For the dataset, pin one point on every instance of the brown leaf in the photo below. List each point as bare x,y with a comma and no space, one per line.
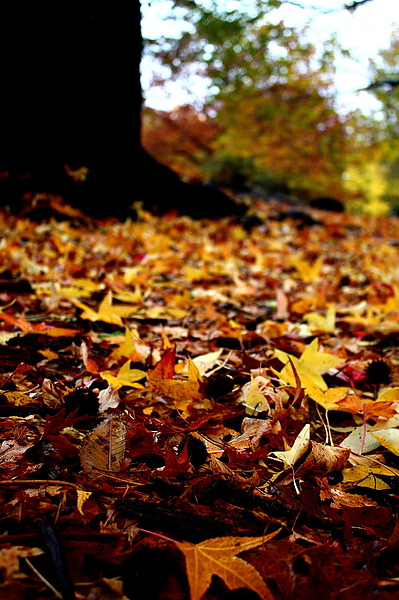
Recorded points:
104,449
218,557
332,458
341,499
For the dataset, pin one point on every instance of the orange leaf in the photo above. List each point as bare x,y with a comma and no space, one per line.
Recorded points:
165,368
218,557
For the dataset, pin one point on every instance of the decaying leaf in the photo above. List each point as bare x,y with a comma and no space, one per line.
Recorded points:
332,458
218,556
341,499
108,398
11,451
104,448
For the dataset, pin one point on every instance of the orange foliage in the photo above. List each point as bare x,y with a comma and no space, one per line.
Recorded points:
182,139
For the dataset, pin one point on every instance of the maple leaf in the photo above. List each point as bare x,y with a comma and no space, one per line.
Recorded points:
217,556
132,347
309,365
308,273
125,377
322,323
107,312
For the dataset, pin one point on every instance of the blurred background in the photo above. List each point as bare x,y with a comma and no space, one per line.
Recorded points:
299,98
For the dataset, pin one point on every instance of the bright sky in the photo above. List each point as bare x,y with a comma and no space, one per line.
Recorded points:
364,32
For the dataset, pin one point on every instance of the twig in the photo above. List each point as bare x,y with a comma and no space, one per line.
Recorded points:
43,579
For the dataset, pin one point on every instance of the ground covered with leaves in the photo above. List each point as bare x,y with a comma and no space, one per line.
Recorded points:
199,409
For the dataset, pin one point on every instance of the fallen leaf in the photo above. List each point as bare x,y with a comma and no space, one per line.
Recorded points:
125,377
107,312
332,458
300,446
175,389
341,499
310,364
218,557
108,398
9,559
104,448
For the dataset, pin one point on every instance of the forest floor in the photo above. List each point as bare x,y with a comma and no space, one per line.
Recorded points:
199,409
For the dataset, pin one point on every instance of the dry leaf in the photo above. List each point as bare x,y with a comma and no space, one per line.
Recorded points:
300,446
11,451
82,496
108,398
9,559
182,392
341,499
218,557
331,457
104,448
253,396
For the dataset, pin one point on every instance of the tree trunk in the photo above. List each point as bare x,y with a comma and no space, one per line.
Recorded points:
71,97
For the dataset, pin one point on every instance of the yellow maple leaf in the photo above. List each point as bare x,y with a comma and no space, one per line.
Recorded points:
310,364
133,297
307,272
107,312
125,377
132,347
217,556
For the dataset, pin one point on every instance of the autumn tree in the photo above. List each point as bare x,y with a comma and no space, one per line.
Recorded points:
271,94
182,138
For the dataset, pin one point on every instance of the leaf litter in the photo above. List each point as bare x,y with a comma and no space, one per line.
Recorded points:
175,393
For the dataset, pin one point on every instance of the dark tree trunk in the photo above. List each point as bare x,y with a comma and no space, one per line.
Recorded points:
71,95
